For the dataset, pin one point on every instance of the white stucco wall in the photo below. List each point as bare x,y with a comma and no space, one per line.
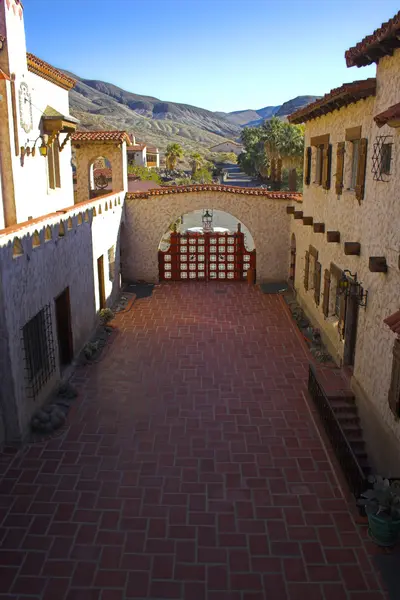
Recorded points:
25,183
227,147
147,220
375,224
35,279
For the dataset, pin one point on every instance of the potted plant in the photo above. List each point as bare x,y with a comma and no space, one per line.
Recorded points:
382,505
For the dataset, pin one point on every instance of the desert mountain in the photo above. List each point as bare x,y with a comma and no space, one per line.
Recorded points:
101,105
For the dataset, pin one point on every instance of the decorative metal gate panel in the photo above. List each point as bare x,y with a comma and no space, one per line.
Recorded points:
206,257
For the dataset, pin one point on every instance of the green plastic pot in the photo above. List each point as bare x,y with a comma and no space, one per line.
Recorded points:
383,532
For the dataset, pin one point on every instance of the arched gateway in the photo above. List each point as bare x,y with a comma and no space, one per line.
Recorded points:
148,215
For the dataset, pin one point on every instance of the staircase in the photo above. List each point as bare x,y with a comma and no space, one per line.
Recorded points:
337,409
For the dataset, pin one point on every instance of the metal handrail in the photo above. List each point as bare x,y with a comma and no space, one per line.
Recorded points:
352,470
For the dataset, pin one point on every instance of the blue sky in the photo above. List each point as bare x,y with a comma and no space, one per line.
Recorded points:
218,54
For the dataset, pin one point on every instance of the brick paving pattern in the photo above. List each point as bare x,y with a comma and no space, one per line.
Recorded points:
191,468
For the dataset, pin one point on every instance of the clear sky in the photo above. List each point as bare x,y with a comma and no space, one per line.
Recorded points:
218,54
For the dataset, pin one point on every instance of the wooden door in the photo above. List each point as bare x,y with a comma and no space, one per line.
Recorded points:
100,273
350,334
64,328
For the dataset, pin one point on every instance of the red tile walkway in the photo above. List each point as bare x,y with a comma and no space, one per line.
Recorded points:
191,468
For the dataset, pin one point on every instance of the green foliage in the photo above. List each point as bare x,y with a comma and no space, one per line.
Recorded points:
203,175
272,141
383,499
106,315
173,153
144,173
196,161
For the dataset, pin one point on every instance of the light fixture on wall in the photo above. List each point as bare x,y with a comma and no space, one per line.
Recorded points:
350,287
207,219
2,42
27,150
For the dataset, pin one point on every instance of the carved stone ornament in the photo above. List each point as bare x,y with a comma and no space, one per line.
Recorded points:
25,108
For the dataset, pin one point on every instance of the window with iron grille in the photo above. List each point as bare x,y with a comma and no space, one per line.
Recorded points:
382,158
37,338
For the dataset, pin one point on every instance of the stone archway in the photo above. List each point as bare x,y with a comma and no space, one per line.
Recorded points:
90,145
148,215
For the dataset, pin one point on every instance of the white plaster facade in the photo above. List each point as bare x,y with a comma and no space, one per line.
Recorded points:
227,146
375,224
25,183
149,216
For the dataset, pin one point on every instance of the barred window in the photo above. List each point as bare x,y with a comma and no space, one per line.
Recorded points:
37,336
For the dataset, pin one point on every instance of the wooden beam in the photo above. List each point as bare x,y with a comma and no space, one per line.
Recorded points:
352,248
298,214
333,236
378,264
319,227
290,210
308,220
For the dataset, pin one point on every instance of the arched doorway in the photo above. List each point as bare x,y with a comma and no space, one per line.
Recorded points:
100,177
192,251
292,267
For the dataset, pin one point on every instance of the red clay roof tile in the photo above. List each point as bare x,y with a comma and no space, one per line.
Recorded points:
392,113
373,47
346,94
43,69
179,189
101,136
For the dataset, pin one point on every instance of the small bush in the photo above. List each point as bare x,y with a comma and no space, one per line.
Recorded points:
106,315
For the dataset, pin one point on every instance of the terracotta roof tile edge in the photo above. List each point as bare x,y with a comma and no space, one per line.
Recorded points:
101,136
393,112
377,37
43,69
368,86
216,188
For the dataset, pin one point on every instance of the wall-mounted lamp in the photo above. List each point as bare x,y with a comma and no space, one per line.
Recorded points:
27,150
2,42
350,287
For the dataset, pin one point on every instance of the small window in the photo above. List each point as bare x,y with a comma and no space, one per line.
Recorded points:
386,159
319,164
37,337
354,163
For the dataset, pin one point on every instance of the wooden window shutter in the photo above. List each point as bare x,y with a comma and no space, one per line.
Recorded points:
327,287
307,172
339,167
326,167
306,270
361,169
394,391
317,282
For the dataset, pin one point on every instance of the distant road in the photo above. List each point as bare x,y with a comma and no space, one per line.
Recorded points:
238,178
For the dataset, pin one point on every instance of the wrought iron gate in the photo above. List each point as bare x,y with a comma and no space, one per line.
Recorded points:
205,257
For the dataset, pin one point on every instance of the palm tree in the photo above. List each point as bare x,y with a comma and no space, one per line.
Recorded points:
173,153
196,161
292,150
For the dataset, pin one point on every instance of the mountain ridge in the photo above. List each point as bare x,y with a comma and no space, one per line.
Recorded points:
101,105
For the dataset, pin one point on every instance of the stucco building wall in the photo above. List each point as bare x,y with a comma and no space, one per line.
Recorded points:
87,153
375,224
25,182
147,220
38,277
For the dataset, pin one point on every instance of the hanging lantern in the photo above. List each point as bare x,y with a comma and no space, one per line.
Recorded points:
207,219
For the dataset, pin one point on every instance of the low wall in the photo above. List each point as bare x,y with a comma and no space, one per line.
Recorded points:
39,259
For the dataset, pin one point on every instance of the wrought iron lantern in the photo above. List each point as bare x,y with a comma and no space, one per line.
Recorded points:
351,287
207,220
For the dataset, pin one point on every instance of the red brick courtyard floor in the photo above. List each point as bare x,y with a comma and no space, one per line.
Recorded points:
191,468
